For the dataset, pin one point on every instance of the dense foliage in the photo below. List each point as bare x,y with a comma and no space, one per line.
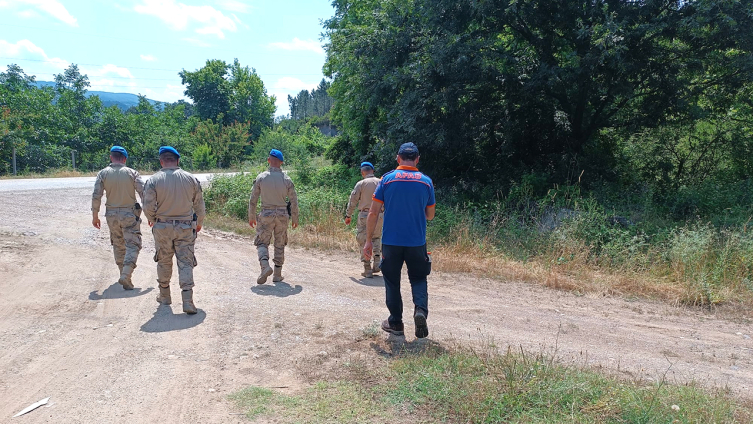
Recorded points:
571,90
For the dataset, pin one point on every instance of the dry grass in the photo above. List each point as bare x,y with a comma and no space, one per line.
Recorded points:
479,258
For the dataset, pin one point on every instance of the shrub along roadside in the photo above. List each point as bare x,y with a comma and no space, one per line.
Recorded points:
463,385
564,240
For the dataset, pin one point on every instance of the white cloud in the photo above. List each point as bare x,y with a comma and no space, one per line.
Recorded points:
293,85
25,49
179,16
148,58
98,76
288,86
28,14
300,45
234,6
51,7
106,70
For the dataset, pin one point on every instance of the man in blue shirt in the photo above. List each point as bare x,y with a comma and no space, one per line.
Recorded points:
408,199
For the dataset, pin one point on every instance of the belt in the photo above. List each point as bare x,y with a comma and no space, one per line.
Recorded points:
110,208
365,210
175,221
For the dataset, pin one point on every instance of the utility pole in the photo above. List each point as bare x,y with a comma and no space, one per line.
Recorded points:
14,160
73,159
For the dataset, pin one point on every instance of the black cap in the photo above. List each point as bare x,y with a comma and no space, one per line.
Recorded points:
408,149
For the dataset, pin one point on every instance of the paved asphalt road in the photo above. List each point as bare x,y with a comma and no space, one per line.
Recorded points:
62,183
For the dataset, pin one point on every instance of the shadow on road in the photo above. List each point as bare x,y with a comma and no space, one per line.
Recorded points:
369,282
397,346
165,320
116,291
279,289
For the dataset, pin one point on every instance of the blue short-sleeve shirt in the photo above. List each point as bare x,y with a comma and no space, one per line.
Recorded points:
405,193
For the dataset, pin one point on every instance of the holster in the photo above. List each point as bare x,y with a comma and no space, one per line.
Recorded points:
137,210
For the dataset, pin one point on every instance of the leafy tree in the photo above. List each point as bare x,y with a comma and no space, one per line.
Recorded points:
209,89
249,100
226,143
491,90
230,93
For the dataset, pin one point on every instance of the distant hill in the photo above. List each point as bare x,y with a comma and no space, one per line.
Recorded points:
122,100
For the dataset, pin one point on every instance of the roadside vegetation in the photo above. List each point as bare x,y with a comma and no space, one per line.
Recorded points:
431,384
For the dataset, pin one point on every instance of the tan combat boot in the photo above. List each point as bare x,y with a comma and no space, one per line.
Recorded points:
278,274
125,277
188,306
367,272
375,269
266,271
164,296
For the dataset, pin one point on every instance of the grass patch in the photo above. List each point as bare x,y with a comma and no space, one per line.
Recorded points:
566,241
325,402
436,385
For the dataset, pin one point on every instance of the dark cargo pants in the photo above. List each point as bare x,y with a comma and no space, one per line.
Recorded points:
417,261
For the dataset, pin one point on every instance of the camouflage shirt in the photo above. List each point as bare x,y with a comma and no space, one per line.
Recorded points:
173,193
273,186
361,195
121,184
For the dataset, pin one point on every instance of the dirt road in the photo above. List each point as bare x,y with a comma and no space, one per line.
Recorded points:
69,332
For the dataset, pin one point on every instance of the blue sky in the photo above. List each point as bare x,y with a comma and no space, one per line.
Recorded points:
139,46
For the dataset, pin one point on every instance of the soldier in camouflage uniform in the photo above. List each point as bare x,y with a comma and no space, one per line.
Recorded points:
360,198
273,186
174,206
123,214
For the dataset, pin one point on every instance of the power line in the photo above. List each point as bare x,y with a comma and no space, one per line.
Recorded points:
99,36
91,64
133,67
37,74
235,51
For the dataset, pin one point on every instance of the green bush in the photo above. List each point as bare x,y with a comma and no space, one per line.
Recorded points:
203,157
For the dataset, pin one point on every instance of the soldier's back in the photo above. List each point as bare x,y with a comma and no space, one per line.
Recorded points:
118,183
175,189
274,188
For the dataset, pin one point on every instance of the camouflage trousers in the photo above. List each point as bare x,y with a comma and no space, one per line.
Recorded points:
272,222
174,238
376,240
125,236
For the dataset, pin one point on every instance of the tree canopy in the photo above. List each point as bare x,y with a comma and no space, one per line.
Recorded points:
230,93
490,90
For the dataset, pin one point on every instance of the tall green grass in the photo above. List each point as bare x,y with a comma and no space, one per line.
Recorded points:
702,260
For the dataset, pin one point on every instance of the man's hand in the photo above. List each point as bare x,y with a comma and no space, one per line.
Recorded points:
252,223
295,225
347,220
198,228
367,249
96,222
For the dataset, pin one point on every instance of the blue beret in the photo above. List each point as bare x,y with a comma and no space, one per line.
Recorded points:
408,149
169,149
118,149
276,154
365,164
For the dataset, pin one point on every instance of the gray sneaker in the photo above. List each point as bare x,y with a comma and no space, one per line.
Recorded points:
396,329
